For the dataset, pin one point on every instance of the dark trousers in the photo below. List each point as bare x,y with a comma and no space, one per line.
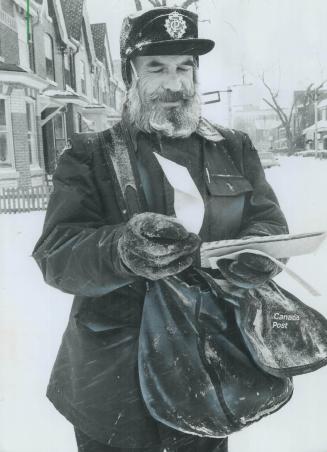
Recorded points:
86,444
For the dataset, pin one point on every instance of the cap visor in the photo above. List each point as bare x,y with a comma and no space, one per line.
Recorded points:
178,47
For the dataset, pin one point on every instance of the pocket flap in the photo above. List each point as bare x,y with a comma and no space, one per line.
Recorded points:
97,323
229,185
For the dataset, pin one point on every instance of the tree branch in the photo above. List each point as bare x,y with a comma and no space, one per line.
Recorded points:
276,110
188,3
291,114
273,96
321,85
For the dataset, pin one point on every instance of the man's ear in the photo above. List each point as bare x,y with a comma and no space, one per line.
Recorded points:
195,75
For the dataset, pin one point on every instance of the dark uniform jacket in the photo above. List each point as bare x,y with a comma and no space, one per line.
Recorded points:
94,382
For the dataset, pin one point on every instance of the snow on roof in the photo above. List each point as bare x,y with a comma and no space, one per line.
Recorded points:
10,67
321,125
57,92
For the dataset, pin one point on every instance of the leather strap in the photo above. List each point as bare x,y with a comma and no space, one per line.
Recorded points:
121,162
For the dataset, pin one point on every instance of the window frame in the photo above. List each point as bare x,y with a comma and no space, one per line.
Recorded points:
51,41
68,70
62,114
34,161
23,44
10,164
83,77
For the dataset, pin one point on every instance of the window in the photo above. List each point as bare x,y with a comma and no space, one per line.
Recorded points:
96,87
49,58
79,122
4,135
112,100
8,7
31,133
67,63
59,132
83,77
24,57
105,97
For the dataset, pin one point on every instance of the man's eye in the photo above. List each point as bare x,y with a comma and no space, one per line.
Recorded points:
184,68
156,71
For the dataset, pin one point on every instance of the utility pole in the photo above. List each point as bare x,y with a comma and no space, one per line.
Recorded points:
229,101
315,98
217,99
229,92
316,120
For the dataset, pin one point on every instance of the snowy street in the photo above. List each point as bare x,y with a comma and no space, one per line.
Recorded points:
34,315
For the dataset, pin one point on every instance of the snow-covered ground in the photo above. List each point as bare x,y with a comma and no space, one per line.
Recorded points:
33,317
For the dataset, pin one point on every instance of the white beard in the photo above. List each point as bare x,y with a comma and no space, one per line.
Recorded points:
150,116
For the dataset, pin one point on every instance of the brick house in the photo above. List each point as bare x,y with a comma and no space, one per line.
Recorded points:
88,81
109,92
56,83
21,156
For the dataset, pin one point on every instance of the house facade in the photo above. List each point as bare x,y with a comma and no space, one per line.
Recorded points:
56,78
304,126
309,132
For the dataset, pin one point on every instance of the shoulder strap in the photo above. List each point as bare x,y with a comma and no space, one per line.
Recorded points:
121,162
233,144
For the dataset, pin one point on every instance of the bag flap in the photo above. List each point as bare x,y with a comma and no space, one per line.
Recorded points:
284,336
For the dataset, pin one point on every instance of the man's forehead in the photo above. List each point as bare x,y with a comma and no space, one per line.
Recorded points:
149,60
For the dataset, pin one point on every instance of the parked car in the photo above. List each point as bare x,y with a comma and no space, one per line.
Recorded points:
268,159
321,153
306,153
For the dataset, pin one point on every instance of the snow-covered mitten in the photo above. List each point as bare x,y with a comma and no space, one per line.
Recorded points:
155,246
248,270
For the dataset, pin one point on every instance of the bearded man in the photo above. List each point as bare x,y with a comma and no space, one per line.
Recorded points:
105,252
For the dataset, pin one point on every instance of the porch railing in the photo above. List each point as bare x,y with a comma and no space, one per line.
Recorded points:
24,199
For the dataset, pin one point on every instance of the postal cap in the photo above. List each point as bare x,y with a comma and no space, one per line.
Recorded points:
160,31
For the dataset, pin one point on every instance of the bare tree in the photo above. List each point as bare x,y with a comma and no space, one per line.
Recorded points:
158,3
155,3
138,5
285,118
304,110
305,114
188,3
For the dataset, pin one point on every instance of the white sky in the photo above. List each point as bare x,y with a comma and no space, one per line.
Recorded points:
284,38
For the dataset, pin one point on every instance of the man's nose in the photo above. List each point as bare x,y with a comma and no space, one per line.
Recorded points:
172,83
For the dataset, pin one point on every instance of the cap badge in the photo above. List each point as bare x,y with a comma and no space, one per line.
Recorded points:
175,25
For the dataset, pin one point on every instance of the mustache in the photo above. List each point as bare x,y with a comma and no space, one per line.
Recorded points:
172,96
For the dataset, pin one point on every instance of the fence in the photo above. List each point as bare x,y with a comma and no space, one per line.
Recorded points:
24,199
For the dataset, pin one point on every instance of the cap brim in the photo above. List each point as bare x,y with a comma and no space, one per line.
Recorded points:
195,46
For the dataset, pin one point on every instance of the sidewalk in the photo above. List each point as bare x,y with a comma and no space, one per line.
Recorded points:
33,317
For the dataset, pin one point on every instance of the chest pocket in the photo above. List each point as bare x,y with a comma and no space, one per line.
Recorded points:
225,200
227,185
